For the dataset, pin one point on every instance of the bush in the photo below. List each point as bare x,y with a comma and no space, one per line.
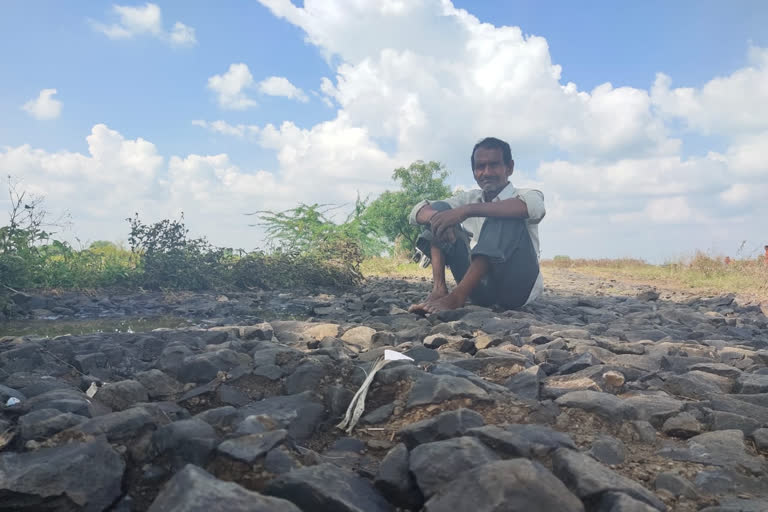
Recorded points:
168,258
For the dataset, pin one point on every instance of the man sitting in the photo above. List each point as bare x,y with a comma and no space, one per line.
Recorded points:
488,237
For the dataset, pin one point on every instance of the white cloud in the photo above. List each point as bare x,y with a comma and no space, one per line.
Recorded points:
145,20
224,128
44,106
730,105
230,87
281,86
182,35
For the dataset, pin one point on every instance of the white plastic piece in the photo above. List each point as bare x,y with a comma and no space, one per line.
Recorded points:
357,405
391,355
12,401
92,389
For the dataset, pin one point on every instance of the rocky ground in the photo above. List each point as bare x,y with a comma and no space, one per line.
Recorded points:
601,396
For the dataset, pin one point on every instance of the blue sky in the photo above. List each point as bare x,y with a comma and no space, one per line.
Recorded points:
649,166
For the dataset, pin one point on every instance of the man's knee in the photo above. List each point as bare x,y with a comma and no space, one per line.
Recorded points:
440,206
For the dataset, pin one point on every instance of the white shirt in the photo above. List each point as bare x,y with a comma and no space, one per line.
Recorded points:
534,201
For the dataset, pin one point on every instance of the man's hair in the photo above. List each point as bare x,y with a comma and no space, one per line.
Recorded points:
494,143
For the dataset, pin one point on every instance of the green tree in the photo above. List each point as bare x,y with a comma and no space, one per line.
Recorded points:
389,212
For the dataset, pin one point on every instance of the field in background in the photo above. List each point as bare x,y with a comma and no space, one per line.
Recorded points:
700,272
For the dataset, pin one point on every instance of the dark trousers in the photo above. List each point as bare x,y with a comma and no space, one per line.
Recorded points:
507,244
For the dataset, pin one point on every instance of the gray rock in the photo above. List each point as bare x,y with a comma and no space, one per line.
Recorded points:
683,425
436,464
379,415
122,394
327,488
64,400
395,481
585,360
760,437
206,366
696,384
654,407
521,440
306,377
75,476
620,502
119,426
435,389
721,369
43,423
589,479
720,420
185,441
676,485
6,393
158,384
443,426
195,490
298,414
720,448
608,450
751,383
526,383
360,337
505,485
250,448
606,405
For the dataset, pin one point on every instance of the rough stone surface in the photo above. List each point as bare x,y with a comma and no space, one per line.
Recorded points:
326,487
76,476
435,464
195,490
505,485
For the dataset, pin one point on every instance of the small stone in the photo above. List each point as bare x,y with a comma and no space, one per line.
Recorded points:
360,337
683,425
122,395
606,405
613,378
608,450
443,426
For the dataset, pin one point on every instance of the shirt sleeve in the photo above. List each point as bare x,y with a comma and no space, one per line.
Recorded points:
455,201
534,201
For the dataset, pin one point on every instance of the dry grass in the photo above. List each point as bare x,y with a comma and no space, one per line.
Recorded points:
393,267
701,271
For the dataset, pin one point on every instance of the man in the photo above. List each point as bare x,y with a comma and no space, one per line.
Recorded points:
488,237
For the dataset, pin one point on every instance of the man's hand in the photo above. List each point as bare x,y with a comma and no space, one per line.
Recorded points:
442,221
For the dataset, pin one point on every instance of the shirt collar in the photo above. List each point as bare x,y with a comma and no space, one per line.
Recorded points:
505,193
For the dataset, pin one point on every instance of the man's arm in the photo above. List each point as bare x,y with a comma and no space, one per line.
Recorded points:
508,208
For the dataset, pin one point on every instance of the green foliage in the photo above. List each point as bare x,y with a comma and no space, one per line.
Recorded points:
170,259
306,229
388,214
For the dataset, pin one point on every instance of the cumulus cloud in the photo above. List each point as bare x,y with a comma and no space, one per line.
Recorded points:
44,107
231,86
224,128
145,20
730,105
281,86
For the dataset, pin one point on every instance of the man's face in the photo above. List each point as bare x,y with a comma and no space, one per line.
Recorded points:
490,172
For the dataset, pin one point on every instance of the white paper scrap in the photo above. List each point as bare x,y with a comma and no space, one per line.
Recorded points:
92,390
391,355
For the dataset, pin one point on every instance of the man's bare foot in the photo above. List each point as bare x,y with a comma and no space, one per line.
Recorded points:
437,293
450,301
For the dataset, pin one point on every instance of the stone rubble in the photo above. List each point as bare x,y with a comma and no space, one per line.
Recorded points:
600,397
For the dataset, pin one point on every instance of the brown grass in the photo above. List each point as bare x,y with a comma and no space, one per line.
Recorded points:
701,272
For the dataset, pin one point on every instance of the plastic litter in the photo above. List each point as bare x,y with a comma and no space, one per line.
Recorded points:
12,401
